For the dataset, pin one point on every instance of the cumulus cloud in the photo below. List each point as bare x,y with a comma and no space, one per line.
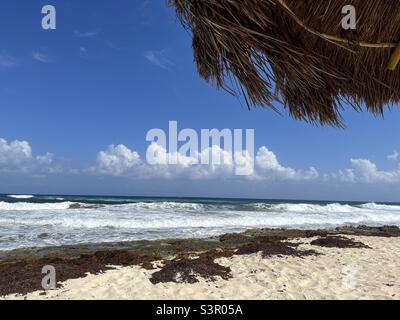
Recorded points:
365,171
121,161
265,166
117,160
268,166
177,165
159,163
14,154
17,156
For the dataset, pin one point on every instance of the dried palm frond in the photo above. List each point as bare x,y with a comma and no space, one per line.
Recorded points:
296,52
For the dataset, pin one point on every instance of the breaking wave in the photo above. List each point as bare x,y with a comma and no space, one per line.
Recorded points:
20,196
28,206
73,220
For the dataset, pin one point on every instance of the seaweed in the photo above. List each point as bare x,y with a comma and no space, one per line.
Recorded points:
26,275
338,242
21,270
188,270
271,247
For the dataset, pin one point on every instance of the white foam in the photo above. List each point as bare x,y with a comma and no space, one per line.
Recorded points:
165,205
144,216
20,196
315,208
375,206
138,206
73,222
26,206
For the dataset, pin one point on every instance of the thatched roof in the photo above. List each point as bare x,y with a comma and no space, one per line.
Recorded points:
297,51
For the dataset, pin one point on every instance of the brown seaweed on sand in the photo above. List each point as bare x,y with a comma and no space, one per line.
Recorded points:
271,247
25,276
338,242
21,270
187,270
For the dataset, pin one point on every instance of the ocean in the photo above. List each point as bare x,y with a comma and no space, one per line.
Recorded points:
37,221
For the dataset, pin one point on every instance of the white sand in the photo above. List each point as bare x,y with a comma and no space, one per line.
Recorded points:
337,274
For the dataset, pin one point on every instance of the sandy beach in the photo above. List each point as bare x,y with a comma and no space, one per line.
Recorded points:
321,267
200,150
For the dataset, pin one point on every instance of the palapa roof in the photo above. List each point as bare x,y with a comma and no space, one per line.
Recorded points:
296,52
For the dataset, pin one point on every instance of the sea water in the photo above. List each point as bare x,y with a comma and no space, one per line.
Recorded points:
28,220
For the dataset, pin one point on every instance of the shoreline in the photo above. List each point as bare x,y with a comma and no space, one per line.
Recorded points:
190,263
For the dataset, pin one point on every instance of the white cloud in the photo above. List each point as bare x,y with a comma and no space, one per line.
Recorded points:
268,166
365,171
121,161
158,58
117,160
41,57
188,166
14,154
17,157
394,156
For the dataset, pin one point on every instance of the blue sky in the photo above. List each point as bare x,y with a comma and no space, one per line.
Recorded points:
112,70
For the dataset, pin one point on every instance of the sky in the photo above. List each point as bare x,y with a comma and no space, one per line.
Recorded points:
77,102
